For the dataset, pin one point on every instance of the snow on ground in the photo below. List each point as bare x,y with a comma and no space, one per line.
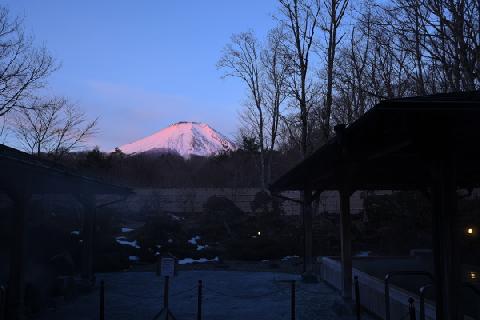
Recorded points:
175,217
126,230
363,254
75,233
201,260
194,240
289,258
126,242
227,295
133,258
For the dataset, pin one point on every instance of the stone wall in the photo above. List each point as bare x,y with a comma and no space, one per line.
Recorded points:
192,200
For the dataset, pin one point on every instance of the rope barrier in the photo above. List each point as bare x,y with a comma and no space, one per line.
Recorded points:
183,291
245,296
129,295
313,291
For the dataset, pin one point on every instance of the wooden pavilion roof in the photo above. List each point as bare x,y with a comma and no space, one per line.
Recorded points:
394,145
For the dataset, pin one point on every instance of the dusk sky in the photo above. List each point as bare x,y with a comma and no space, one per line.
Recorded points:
142,65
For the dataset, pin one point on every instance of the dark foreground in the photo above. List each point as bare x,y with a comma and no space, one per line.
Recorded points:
227,295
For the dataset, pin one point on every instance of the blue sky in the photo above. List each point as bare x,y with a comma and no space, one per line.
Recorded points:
142,65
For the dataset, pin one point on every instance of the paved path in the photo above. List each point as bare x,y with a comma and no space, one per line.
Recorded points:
227,295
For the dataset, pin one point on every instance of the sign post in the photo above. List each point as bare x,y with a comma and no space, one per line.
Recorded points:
167,270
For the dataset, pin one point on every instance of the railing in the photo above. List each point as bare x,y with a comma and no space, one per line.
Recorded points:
390,275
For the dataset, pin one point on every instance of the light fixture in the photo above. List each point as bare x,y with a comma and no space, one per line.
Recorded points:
259,233
470,231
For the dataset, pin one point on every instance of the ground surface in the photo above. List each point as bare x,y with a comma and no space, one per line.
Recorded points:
227,295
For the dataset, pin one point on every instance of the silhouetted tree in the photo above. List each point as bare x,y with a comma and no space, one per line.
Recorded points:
23,67
52,126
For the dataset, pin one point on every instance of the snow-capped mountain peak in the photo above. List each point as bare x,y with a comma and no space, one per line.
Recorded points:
185,138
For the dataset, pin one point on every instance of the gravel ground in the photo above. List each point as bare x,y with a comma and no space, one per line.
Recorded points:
227,295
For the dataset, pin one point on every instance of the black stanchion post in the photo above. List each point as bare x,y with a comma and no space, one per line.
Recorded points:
3,293
102,300
199,301
293,300
165,293
411,309
357,297
387,298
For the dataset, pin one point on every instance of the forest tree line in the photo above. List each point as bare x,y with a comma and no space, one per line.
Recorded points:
327,62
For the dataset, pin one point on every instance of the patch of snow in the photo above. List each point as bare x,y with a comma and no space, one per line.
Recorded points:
75,233
133,258
363,254
201,260
175,217
170,240
289,258
158,246
126,230
126,242
184,138
194,240
200,247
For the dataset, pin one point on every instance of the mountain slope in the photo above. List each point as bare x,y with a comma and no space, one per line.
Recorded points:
184,138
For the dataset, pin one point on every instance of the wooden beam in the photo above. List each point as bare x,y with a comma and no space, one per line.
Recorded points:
346,243
16,277
344,178
88,202
446,233
308,234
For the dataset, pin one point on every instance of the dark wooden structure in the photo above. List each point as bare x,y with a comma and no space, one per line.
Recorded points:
21,177
427,143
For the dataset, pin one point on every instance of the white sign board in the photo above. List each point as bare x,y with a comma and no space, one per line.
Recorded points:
167,267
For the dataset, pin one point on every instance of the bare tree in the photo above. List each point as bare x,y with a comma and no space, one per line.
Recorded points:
242,59
275,64
301,19
54,127
23,68
335,13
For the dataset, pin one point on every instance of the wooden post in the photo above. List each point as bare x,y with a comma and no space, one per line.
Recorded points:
345,219
346,243
446,233
88,202
308,234
15,289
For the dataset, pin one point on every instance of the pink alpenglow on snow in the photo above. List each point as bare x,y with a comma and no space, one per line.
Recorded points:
184,138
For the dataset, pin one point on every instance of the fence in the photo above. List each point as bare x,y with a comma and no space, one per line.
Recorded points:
372,293
204,290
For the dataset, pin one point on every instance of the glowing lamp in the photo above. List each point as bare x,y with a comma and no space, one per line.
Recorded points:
470,231
259,233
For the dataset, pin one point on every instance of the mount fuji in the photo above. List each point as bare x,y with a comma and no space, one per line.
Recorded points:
184,138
